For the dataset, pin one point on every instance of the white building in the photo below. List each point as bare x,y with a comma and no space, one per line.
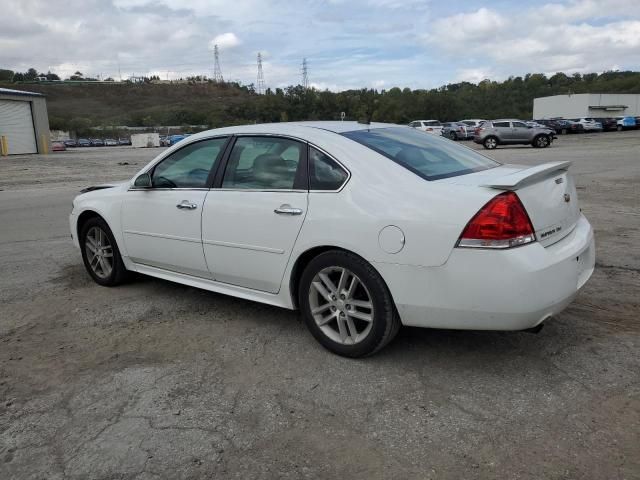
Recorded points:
596,105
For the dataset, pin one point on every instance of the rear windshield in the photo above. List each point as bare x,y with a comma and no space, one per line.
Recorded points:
428,156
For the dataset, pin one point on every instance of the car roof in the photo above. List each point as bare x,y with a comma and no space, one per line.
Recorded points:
297,128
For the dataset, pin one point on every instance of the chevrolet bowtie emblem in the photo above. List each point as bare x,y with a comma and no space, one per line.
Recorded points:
567,197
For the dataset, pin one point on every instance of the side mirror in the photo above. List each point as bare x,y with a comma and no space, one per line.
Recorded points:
143,181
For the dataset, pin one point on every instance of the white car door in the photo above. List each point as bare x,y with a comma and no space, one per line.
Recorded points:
162,224
251,222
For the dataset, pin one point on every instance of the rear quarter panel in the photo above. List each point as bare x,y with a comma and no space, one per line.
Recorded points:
381,193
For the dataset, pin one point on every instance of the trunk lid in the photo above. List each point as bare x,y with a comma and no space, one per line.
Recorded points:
547,192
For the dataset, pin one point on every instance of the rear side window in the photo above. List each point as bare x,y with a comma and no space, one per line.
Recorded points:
263,163
324,172
428,156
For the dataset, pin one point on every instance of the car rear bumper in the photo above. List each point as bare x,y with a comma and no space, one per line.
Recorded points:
494,290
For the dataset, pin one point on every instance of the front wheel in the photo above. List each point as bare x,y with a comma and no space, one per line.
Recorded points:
541,141
619,128
453,136
346,304
100,253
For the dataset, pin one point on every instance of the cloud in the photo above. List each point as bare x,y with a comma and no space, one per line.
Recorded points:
480,26
578,36
225,40
348,44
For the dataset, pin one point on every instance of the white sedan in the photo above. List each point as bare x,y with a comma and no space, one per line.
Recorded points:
430,126
364,228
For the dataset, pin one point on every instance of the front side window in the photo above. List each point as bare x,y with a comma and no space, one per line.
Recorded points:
188,167
501,124
428,156
324,172
263,163
519,125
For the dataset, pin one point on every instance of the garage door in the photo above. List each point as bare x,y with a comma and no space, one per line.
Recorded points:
17,125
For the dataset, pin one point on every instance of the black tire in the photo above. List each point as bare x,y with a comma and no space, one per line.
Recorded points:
385,320
619,128
490,143
564,131
118,274
541,141
453,136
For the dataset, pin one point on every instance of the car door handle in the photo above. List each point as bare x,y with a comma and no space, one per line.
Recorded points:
186,205
287,209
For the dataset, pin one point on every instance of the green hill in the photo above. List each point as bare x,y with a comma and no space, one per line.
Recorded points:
77,106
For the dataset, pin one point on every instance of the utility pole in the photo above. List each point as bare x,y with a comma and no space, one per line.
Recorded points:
305,74
217,71
260,87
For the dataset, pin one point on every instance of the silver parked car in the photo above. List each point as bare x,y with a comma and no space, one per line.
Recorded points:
456,131
512,132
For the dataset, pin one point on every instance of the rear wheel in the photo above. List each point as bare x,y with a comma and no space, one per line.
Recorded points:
346,304
453,136
541,141
490,143
564,131
619,128
100,253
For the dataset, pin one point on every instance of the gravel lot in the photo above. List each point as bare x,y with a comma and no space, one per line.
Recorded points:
157,380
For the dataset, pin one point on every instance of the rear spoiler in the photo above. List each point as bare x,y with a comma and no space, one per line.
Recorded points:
515,180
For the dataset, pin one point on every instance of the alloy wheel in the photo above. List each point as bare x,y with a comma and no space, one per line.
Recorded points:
99,252
341,305
490,143
542,141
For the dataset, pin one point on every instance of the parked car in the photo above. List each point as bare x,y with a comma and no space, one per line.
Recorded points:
512,132
97,142
456,131
576,127
473,122
83,142
429,126
625,123
534,124
173,139
124,141
110,142
607,123
589,124
164,142
285,214
562,126
70,143
58,147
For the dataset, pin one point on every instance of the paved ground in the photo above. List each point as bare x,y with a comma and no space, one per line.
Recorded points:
157,380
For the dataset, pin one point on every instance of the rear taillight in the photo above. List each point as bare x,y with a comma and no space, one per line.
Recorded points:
502,223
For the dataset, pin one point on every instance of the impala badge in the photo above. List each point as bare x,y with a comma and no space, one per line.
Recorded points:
567,197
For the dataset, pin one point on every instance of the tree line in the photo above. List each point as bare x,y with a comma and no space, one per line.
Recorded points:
201,101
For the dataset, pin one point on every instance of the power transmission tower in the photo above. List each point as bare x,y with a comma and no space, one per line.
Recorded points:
260,88
305,74
217,71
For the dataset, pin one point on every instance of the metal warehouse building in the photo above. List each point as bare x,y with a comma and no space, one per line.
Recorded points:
24,124
594,105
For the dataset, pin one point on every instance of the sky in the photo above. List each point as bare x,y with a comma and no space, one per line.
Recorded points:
348,43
